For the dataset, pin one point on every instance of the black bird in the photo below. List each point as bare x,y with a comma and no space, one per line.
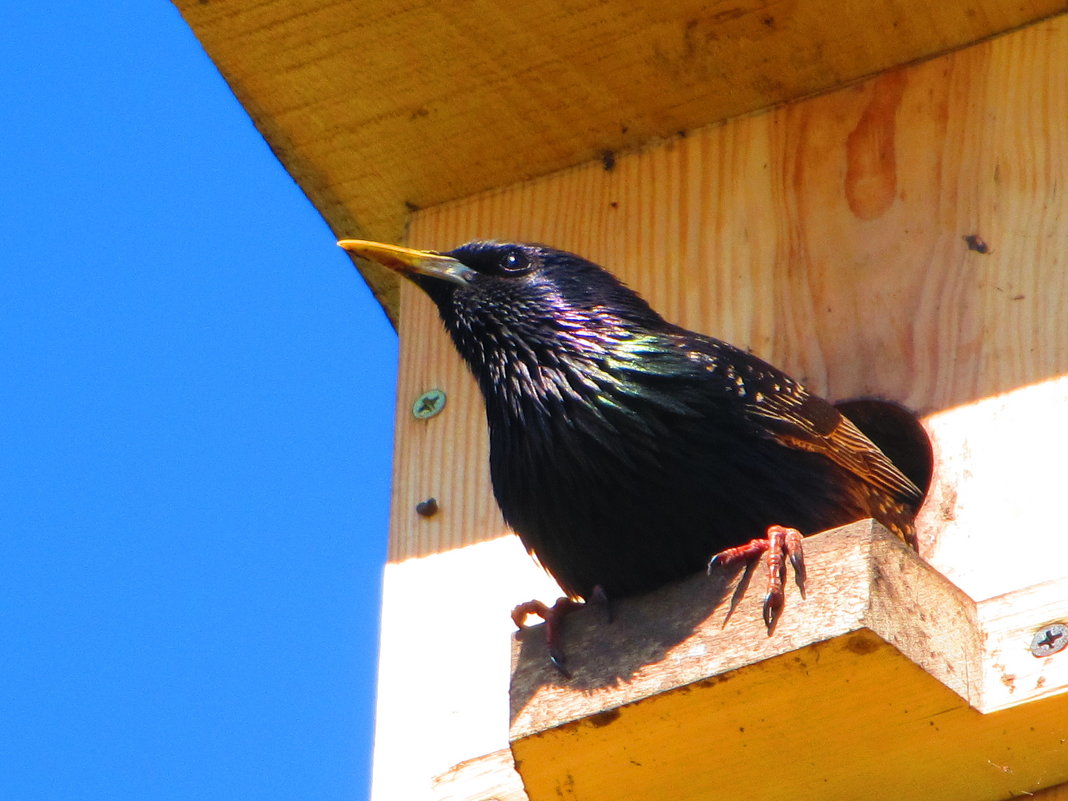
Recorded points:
625,450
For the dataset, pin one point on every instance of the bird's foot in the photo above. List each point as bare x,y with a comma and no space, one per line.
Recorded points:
780,542
554,617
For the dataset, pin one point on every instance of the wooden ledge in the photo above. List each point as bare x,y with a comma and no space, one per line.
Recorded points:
879,678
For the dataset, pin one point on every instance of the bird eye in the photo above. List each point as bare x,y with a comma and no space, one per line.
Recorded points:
515,261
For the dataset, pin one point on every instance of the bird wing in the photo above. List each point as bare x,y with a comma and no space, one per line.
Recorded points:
784,410
798,419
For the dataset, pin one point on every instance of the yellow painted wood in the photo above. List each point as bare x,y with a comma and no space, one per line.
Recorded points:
874,680
849,718
687,632
379,107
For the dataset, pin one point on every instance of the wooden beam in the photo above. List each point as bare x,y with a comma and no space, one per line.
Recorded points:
444,664
874,680
487,778
764,232
378,108
828,236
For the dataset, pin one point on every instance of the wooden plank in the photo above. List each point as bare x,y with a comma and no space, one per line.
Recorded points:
995,457
379,107
748,231
494,778
1058,793
444,660
853,724
488,778
442,457
1013,675
760,231
910,607
854,690
688,632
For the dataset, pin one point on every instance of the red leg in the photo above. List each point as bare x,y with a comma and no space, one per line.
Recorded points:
553,616
779,542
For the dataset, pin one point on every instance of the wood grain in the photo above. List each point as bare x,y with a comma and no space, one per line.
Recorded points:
778,232
1012,674
894,726
1058,793
859,577
487,778
380,107
828,236
832,705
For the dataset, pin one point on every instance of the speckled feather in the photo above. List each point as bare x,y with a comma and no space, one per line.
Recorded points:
625,450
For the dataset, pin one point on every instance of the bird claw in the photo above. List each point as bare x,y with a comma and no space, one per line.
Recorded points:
779,542
773,605
553,617
557,660
797,561
522,611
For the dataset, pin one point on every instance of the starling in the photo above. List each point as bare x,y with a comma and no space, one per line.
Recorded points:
625,450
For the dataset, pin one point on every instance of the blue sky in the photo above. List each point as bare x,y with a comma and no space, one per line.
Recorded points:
196,394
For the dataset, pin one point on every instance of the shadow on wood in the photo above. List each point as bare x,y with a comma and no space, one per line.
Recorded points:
882,677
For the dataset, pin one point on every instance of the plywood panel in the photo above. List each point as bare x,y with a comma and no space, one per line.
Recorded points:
828,236
379,107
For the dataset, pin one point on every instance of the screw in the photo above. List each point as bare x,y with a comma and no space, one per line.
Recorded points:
428,404
427,508
1050,639
976,243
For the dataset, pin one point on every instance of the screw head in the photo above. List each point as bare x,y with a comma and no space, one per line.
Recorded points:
428,404
427,508
1050,639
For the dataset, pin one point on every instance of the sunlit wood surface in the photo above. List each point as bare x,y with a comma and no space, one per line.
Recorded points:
381,106
828,235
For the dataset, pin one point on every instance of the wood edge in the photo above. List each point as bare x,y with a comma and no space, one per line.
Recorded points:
930,620
831,685
1012,672
489,777
856,573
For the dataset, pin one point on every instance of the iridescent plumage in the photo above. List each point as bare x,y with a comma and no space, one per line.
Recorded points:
625,450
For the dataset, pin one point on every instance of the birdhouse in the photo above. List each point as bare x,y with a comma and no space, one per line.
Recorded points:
869,195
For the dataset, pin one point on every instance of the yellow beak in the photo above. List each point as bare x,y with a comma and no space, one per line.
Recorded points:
408,261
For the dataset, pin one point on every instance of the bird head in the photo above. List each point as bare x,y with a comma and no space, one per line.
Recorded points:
539,327
518,296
